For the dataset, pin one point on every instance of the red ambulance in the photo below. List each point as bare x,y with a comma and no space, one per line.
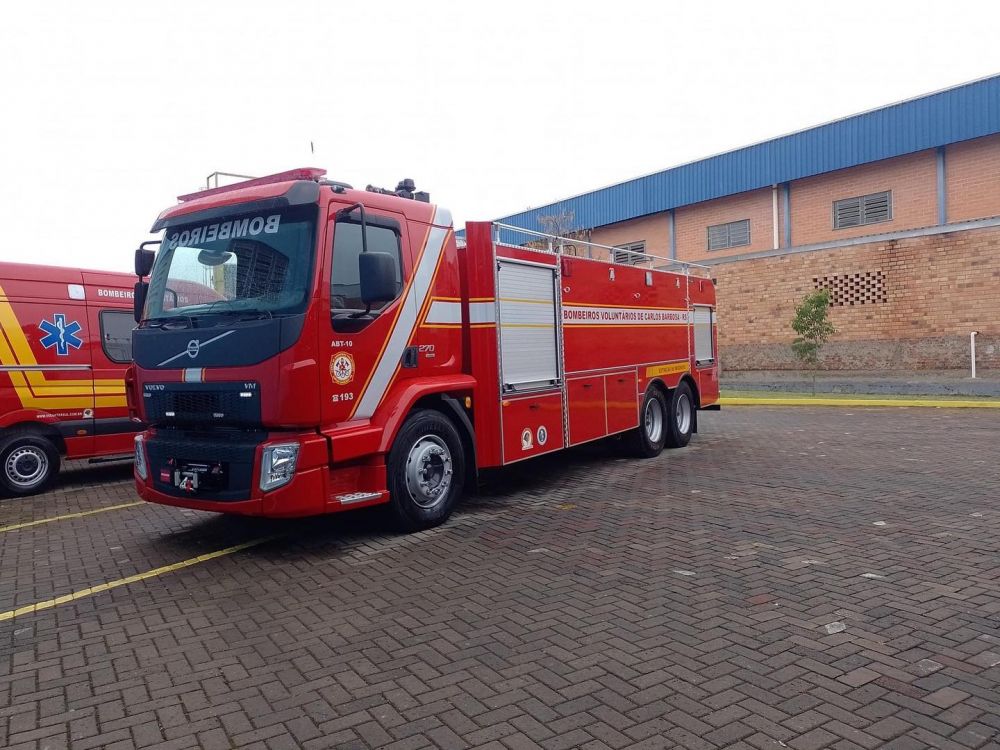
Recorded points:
67,341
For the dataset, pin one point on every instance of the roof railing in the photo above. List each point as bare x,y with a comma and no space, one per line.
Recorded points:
304,173
577,247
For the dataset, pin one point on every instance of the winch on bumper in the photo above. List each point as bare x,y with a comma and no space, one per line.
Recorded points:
252,472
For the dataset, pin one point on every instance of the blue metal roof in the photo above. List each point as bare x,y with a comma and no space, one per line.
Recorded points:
967,111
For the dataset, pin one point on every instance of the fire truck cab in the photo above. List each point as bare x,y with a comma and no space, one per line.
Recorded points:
305,348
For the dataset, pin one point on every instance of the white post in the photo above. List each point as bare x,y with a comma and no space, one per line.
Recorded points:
972,347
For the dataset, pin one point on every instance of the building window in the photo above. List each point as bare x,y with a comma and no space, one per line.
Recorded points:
633,253
864,209
733,234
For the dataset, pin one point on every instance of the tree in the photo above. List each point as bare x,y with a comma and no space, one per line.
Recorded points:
812,323
561,225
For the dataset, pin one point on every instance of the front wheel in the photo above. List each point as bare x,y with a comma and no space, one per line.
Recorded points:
426,471
28,464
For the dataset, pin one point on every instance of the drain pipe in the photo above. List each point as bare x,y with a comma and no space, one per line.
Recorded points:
972,347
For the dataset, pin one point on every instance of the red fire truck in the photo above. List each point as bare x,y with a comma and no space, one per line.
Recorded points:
66,344
308,348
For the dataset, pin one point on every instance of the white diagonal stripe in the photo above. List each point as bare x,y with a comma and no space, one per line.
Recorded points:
403,329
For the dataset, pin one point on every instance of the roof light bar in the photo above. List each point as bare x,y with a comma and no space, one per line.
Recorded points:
304,173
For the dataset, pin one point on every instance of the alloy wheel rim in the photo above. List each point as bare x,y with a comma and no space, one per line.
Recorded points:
429,471
683,414
653,420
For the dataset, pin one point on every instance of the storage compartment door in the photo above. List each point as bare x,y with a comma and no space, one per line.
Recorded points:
587,419
529,351
532,425
622,400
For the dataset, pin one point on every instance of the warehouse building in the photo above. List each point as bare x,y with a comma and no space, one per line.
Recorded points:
896,211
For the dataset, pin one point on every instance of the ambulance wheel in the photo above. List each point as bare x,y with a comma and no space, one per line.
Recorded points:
680,422
426,470
28,464
647,440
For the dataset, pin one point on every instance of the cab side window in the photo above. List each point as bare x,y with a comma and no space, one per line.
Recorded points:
116,335
345,283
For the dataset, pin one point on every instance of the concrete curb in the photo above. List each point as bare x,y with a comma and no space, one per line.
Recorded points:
858,402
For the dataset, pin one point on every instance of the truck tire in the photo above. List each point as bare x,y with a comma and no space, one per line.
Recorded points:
647,440
680,421
28,464
426,470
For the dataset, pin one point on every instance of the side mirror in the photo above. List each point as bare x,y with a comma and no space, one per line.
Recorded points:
144,261
377,274
139,298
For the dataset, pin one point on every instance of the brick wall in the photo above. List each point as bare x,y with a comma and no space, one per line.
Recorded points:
972,170
937,289
652,229
912,180
692,224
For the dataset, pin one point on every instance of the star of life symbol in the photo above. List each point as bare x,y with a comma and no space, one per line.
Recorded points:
60,334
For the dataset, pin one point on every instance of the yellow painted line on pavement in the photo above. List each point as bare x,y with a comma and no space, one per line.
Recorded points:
856,402
83,593
26,524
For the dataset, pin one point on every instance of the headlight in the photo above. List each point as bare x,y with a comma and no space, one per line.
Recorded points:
277,466
140,459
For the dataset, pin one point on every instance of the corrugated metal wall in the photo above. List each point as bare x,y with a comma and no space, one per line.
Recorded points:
957,114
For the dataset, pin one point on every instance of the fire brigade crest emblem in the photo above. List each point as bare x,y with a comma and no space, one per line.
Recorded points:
342,368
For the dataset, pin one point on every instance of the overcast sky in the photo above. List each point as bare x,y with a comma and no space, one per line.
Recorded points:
111,109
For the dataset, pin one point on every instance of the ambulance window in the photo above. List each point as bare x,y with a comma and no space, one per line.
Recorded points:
116,335
345,283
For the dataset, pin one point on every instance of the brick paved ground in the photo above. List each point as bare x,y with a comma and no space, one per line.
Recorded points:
587,601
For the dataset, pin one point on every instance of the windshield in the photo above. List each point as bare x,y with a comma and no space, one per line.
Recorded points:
257,262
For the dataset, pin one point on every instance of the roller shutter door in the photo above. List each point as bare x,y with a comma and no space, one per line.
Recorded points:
528,344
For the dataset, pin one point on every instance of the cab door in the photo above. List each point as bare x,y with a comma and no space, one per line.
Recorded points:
355,341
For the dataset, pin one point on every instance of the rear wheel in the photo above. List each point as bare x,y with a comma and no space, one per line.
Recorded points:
647,440
426,470
680,424
28,464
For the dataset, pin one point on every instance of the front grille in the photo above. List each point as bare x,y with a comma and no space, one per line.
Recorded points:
202,403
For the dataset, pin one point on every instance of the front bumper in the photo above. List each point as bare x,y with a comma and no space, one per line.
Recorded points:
231,482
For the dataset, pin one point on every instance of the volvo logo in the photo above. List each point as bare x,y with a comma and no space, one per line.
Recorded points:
193,348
